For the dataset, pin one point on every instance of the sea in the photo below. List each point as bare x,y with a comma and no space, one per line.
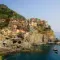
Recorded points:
48,53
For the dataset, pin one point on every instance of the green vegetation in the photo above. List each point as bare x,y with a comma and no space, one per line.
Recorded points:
7,14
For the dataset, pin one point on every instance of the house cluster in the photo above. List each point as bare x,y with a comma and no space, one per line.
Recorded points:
25,26
17,25
37,22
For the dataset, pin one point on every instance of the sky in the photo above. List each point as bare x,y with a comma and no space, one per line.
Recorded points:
48,10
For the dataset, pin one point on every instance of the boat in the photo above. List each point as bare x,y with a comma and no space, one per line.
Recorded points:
55,50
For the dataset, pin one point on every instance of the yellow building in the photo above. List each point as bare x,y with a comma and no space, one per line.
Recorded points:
33,24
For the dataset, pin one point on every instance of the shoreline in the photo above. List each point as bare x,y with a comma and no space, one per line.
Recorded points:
6,51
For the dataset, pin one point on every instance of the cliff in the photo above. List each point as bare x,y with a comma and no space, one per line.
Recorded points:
18,32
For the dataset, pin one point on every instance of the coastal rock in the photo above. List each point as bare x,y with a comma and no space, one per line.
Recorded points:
26,45
18,32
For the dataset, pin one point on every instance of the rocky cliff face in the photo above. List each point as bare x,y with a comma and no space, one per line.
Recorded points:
22,32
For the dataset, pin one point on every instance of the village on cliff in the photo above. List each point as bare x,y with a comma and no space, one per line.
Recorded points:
17,32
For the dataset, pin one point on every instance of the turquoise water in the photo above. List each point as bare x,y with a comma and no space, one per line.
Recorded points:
47,54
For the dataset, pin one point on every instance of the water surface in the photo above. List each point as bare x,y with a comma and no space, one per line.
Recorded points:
47,54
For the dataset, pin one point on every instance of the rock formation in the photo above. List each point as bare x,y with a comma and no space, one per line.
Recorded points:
18,32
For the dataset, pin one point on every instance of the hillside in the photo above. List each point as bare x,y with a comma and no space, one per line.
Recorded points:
17,32
6,14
